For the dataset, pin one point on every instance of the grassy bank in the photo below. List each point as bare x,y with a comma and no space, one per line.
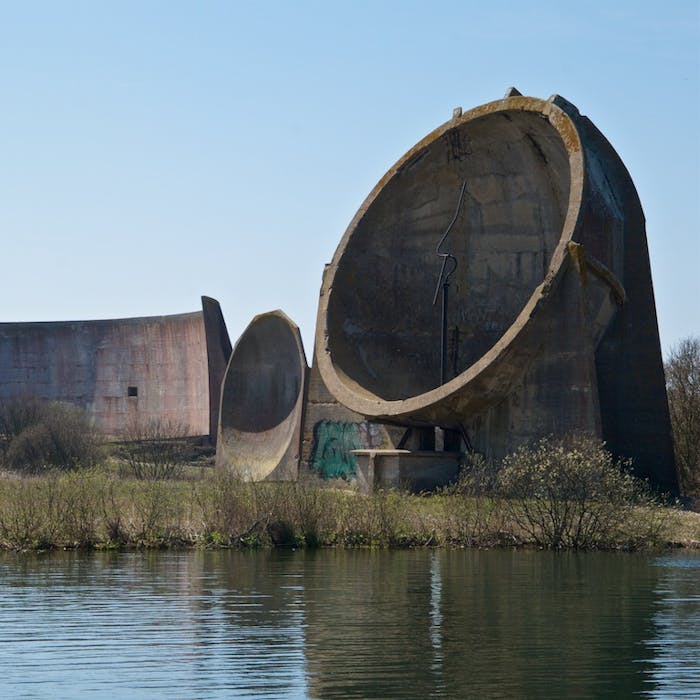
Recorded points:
97,509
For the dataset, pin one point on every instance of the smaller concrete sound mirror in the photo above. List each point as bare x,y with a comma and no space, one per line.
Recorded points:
262,398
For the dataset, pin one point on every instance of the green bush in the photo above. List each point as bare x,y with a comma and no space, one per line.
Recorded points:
571,492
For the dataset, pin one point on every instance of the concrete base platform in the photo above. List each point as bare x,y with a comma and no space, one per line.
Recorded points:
413,471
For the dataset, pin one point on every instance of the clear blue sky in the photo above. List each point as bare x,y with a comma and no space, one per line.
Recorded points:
152,152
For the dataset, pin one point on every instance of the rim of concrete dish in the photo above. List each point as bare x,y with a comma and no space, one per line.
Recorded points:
365,402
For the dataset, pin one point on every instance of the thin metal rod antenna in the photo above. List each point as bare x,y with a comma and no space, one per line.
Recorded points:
444,282
448,256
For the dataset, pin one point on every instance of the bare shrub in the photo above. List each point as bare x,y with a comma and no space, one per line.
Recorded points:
683,387
238,512
40,435
571,492
227,509
18,414
112,516
477,477
299,504
380,519
155,450
155,513
29,512
472,512
80,494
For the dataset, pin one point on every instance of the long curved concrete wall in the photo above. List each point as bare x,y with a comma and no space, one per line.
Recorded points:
262,400
120,370
550,317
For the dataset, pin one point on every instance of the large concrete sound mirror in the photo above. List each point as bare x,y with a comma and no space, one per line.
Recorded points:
523,210
262,398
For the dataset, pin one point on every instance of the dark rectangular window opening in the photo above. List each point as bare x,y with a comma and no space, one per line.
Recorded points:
132,391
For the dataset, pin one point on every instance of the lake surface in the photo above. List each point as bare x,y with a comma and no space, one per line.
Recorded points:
350,624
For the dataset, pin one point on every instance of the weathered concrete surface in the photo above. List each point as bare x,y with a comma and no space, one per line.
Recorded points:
409,470
218,355
262,399
551,318
122,371
332,431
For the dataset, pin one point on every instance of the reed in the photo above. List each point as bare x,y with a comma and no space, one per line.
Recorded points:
97,509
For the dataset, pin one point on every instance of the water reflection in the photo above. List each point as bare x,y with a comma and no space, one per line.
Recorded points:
675,643
371,633
151,625
547,625
436,609
511,624
349,624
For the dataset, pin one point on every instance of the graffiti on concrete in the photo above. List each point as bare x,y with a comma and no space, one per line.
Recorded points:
333,441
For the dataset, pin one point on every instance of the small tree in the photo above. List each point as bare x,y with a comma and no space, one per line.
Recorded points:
683,387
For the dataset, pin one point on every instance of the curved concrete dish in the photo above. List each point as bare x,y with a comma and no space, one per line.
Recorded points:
552,272
262,400
523,165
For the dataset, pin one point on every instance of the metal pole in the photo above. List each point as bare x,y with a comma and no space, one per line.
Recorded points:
443,334
444,279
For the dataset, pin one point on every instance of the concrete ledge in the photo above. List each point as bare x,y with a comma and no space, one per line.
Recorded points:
413,471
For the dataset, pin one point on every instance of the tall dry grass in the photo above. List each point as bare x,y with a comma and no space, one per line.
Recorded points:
95,508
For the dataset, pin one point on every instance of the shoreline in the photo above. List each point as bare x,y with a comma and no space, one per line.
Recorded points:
95,510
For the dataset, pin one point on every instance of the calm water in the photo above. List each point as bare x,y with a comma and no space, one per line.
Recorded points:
357,624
